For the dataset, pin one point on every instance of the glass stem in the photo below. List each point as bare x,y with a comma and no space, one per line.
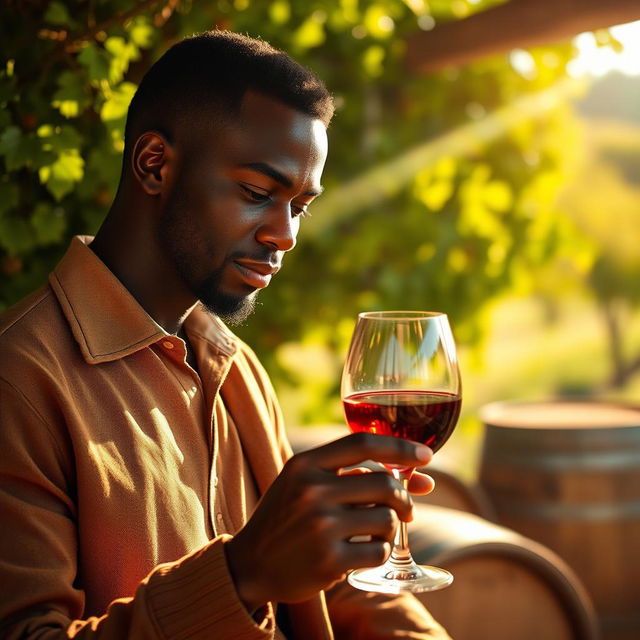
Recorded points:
400,555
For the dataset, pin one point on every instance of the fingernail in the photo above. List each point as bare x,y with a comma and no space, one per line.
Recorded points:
423,452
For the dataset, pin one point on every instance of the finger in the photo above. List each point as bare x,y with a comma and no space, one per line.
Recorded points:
370,488
358,447
365,554
379,522
354,471
421,483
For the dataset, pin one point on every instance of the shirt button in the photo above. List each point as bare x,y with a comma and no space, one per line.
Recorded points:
167,344
219,518
215,481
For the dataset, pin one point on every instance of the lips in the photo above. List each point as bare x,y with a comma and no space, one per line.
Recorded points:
256,274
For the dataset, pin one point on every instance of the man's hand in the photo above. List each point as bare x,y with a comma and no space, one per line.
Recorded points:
297,541
421,484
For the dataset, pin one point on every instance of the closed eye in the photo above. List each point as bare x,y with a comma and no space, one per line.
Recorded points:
253,195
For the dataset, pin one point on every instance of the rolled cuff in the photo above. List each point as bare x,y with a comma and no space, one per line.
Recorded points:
196,598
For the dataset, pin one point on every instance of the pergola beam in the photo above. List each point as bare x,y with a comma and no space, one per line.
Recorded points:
514,24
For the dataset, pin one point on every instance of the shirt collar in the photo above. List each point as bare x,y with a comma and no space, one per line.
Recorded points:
205,325
106,320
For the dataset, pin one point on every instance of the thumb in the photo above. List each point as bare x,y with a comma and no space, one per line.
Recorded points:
421,483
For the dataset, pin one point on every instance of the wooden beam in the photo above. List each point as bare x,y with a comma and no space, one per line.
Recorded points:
516,24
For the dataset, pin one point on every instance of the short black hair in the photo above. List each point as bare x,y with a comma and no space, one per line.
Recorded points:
216,69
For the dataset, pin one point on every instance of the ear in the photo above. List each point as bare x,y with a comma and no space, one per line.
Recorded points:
151,161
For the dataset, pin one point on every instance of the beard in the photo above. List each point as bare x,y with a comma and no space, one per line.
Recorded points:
232,310
180,241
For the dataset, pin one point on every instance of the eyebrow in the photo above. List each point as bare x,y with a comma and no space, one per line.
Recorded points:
272,172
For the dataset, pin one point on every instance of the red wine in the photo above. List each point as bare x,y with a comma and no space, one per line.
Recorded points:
424,416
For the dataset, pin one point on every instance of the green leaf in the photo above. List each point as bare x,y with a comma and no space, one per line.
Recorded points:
96,61
61,176
49,223
71,98
45,130
122,52
57,13
103,170
59,138
19,150
141,32
311,32
378,23
280,11
373,60
116,106
66,138
16,235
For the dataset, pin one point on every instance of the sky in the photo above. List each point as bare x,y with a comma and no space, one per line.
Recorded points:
598,61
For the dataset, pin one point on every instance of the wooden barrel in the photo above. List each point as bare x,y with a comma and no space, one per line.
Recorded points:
454,493
505,587
567,474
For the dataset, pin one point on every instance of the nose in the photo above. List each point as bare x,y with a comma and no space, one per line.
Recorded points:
278,229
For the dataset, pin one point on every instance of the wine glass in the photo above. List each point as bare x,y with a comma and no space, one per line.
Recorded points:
401,379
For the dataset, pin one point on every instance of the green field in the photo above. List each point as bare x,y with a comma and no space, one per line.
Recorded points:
528,357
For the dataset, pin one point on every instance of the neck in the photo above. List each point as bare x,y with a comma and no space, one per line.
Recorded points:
127,243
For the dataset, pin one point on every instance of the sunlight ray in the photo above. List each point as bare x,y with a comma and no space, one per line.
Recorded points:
388,178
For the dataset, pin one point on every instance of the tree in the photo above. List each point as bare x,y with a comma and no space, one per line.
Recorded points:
604,201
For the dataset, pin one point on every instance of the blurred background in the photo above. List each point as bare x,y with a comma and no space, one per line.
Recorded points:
485,161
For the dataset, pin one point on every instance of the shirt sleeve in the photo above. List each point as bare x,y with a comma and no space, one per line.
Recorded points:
40,596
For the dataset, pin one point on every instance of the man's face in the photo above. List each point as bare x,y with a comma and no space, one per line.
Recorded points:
237,201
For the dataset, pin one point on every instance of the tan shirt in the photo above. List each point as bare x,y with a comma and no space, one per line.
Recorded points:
117,457
123,472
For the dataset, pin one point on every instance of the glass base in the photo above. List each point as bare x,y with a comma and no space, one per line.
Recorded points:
389,579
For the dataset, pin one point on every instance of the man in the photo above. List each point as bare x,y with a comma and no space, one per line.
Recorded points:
143,482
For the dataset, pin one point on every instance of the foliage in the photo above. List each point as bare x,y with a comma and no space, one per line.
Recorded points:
456,233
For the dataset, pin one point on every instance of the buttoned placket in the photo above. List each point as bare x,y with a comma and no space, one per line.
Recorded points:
212,374
217,523
209,380
176,349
